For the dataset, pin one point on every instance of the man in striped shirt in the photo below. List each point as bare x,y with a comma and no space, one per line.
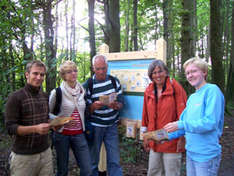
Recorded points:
104,117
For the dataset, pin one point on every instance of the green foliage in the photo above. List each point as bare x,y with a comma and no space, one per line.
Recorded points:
131,149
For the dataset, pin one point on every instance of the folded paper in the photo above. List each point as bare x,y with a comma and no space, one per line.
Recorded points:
157,135
108,99
60,121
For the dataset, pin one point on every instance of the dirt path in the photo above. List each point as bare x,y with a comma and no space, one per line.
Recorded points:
227,141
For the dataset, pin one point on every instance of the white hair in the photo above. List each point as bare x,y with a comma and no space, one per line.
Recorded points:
97,56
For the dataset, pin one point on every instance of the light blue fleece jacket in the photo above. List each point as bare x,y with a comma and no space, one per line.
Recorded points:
202,123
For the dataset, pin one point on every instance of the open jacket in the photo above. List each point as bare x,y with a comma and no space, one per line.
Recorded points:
158,113
67,104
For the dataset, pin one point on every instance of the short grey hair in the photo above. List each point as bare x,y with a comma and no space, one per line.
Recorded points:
98,56
154,64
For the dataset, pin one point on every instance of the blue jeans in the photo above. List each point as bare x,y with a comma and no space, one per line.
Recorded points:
111,140
208,168
79,146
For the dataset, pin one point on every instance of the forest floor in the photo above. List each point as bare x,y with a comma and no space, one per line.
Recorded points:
134,159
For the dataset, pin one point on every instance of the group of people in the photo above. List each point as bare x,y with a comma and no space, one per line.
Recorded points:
29,111
197,122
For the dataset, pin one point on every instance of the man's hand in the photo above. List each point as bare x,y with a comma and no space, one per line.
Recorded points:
96,105
42,128
115,105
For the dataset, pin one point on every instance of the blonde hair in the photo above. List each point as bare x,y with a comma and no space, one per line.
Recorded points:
198,62
66,66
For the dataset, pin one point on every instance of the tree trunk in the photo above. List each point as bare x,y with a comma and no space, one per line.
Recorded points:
92,43
66,19
73,32
111,8
168,34
56,30
230,84
226,35
126,39
135,25
187,37
156,26
49,48
187,41
216,43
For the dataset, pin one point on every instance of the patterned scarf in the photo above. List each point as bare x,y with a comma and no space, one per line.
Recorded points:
74,92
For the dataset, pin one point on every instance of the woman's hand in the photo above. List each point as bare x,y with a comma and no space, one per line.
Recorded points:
170,127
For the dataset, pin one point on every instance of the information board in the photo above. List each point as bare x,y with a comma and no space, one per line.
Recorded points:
133,76
132,80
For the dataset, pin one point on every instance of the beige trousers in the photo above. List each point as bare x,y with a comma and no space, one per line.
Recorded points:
40,164
164,164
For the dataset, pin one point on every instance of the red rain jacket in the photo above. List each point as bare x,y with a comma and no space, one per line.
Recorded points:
168,109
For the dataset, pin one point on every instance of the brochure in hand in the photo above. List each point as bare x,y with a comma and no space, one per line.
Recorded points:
157,135
60,121
107,99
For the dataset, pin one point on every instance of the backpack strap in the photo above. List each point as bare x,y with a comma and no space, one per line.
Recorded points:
171,81
90,85
58,101
174,95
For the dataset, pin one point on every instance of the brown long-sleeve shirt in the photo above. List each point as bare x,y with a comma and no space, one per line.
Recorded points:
27,106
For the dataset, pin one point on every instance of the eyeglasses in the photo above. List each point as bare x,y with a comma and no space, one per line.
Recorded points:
70,71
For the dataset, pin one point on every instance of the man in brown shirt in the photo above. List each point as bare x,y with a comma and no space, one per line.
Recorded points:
27,120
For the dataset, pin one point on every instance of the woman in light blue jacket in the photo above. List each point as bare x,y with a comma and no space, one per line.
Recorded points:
201,122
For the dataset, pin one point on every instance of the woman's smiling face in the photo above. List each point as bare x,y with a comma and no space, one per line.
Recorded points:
195,76
159,76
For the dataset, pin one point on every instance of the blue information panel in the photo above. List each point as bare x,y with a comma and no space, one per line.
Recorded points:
133,76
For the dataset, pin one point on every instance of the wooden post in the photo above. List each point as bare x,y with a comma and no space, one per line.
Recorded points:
104,48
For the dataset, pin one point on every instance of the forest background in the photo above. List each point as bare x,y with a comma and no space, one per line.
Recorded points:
50,31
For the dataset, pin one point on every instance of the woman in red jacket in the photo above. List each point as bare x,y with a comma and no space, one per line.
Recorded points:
164,101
